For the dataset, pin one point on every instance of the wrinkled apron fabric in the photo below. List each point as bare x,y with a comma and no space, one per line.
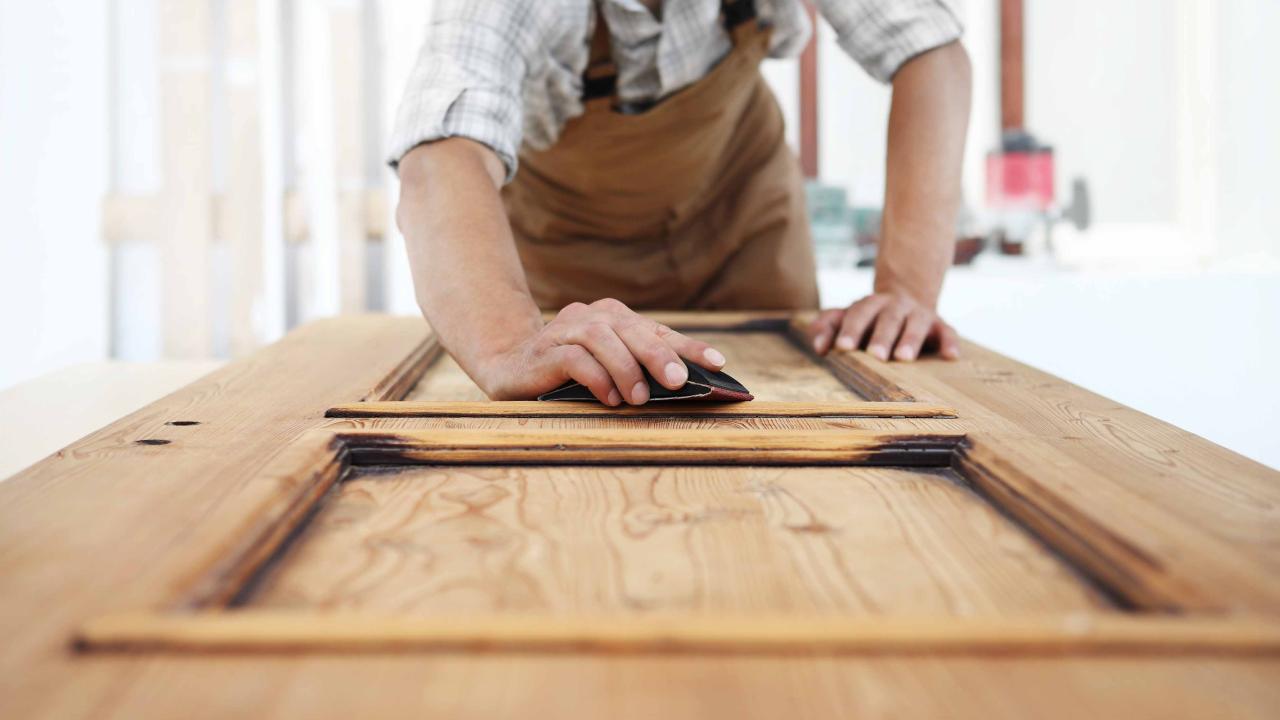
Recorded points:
697,202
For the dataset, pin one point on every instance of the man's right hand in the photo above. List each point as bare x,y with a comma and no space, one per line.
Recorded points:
603,346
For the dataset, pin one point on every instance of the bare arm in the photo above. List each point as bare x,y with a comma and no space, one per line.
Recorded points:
928,119
471,287
466,273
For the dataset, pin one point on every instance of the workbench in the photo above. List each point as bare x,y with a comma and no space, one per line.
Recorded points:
341,525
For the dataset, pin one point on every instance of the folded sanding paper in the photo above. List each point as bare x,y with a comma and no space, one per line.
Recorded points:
703,384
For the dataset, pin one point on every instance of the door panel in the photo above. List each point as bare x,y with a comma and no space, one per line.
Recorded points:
223,534
665,540
836,511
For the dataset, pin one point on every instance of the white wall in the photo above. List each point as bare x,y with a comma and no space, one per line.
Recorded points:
1100,88
53,152
1248,129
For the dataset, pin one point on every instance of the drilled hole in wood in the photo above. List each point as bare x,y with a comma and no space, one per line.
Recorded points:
183,423
152,441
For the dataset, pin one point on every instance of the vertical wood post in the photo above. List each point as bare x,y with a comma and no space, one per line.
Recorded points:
1011,58
809,100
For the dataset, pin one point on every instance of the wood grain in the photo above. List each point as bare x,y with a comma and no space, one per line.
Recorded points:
1167,518
1081,634
107,525
402,379
851,368
651,540
773,368
677,686
444,379
536,409
110,523
612,445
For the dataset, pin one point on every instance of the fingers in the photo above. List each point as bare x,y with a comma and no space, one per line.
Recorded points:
948,342
919,322
888,325
823,329
575,363
622,342
602,341
694,351
858,319
662,362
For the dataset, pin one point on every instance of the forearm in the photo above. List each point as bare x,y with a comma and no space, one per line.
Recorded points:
466,273
928,119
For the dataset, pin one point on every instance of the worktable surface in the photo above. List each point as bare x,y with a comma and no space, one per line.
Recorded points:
1056,503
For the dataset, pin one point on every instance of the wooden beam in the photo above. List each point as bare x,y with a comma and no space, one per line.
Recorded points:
275,631
641,445
809,100
1011,65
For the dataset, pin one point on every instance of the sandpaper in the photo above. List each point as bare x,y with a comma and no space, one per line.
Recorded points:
704,385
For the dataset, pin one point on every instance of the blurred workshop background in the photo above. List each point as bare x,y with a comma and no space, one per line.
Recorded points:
182,181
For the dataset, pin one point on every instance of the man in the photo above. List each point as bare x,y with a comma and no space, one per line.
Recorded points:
600,158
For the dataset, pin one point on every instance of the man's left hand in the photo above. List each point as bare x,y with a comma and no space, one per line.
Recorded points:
887,325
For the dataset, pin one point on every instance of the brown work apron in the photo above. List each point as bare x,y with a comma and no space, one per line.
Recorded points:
696,202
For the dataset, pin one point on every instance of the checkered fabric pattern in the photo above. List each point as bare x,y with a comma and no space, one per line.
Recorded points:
503,72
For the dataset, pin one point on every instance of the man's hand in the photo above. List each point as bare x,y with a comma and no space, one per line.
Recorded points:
603,346
928,117
888,325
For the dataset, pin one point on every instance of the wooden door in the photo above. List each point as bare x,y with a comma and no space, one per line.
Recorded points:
969,538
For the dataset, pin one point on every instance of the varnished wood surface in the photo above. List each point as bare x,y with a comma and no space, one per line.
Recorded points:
720,634
462,685
773,368
613,445
1169,517
444,379
654,540
108,526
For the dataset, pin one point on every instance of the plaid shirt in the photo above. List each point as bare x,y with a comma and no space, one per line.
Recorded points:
502,72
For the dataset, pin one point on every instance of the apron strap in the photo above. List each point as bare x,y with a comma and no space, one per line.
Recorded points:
601,77
736,12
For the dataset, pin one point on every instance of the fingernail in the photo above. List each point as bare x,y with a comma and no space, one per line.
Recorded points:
640,394
878,352
614,397
845,342
906,353
676,374
818,342
714,357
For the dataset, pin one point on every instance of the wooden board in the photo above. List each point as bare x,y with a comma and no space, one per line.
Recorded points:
653,540
111,527
1172,520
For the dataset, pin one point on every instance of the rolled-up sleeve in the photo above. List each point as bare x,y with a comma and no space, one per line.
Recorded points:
881,35
467,79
